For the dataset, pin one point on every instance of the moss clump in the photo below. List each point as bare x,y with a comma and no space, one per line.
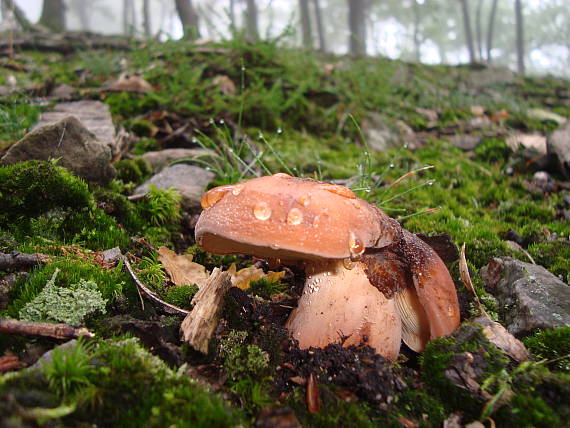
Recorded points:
132,170
552,344
181,295
554,255
438,357
266,288
116,383
29,189
420,405
493,150
69,305
161,207
240,359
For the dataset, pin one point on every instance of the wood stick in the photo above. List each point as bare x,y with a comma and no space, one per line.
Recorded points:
199,325
16,260
44,329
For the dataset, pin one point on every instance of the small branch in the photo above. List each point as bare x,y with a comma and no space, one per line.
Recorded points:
167,307
199,325
16,260
44,329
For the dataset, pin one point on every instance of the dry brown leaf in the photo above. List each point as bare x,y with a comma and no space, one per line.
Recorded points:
181,269
478,110
128,83
225,85
533,142
244,277
312,395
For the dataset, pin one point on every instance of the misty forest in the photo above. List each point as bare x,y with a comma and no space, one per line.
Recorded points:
285,213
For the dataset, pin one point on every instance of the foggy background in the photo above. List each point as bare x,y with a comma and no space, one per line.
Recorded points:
430,31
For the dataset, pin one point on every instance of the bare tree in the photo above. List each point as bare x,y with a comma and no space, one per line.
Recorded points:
146,18
128,13
233,15
357,26
491,29
520,36
306,24
478,29
417,19
188,18
53,15
467,29
9,6
252,29
320,29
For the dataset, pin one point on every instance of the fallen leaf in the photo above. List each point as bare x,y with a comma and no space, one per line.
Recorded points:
128,83
533,142
225,84
181,269
312,396
500,115
244,277
478,110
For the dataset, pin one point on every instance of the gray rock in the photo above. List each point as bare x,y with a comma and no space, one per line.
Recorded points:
466,142
94,115
189,180
489,76
529,296
383,134
162,158
558,148
69,141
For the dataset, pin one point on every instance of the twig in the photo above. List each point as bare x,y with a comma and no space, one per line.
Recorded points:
16,260
466,278
147,292
44,329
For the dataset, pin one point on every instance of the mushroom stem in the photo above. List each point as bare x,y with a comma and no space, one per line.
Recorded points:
339,305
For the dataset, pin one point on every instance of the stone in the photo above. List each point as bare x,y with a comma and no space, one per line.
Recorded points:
530,297
466,142
161,159
531,145
94,115
558,147
189,180
543,115
383,134
75,146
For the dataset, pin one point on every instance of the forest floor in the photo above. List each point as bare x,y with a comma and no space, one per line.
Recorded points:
469,142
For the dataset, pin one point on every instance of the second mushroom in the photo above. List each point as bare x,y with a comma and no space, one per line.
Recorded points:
368,281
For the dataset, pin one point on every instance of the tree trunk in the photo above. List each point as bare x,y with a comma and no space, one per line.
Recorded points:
146,19
520,36
357,27
189,19
251,26
306,24
491,29
53,15
417,42
9,6
478,30
233,15
128,24
468,33
320,29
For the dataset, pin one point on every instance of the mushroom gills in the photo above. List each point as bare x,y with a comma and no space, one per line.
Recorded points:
415,324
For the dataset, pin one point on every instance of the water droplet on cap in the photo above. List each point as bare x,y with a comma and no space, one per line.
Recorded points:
295,217
355,245
237,189
261,211
348,264
213,196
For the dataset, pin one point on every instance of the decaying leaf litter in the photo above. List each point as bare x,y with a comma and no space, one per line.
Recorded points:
497,184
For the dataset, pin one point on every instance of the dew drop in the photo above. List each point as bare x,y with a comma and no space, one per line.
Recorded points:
348,264
355,245
295,217
391,165
275,247
243,68
305,200
261,211
281,175
222,121
211,121
279,131
260,136
338,190
213,196
237,189
194,140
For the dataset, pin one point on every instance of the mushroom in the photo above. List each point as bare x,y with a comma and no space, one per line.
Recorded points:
368,281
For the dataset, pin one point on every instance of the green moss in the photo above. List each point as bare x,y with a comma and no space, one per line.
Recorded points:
241,359
181,295
161,207
145,145
69,304
132,170
29,189
554,255
119,207
437,358
265,288
421,406
552,345
15,117
493,150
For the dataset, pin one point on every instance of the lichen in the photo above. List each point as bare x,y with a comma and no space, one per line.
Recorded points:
68,305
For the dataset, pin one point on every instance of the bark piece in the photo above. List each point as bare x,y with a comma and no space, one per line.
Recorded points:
17,261
199,325
44,329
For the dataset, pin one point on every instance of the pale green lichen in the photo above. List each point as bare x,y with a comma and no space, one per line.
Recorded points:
68,305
